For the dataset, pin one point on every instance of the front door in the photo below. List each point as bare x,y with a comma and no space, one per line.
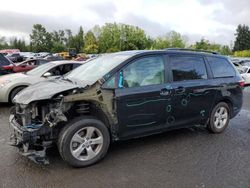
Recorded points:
141,97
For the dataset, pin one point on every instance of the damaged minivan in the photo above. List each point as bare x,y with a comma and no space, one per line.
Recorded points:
121,96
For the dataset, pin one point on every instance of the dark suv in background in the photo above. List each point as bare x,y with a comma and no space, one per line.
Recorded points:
125,95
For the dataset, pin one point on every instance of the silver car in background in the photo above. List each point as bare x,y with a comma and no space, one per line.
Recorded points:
12,84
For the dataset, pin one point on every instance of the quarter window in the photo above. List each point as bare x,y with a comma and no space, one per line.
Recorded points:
188,68
221,67
143,72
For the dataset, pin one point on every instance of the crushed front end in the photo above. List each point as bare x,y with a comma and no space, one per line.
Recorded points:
34,127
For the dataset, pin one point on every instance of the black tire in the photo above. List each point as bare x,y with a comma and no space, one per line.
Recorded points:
14,92
212,126
67,133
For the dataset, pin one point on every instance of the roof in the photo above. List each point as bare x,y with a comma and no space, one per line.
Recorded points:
170,50
64,62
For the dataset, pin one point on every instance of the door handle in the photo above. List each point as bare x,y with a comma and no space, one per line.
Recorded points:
165,92
180,90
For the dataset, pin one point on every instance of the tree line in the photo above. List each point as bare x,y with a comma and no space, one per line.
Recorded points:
113,37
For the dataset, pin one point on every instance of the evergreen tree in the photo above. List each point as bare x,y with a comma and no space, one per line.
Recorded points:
242,41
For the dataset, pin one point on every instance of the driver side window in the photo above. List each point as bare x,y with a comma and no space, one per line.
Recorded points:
144,71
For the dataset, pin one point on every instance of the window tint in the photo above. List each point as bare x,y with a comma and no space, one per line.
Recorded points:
61,69
76,65
110,83
145,71
221,67
3,60
41,62
188,68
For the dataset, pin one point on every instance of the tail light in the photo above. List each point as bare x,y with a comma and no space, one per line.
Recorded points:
242,83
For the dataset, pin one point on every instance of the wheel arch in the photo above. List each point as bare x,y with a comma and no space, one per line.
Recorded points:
229,102
12,89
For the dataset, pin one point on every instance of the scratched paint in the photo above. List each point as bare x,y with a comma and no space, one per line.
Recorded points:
184,102
170,120
168,108
145,102
143,124
202,112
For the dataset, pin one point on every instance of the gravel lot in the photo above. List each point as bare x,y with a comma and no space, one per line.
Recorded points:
183,158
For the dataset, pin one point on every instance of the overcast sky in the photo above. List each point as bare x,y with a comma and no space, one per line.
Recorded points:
216,20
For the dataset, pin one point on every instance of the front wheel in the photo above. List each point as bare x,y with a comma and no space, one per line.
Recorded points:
84,142
219,118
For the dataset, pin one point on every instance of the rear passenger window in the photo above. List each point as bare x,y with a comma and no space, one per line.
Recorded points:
188,68
221,67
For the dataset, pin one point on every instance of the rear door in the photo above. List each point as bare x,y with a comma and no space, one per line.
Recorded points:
141,99
191,94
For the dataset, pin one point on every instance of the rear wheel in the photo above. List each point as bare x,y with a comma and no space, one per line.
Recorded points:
84,142
219,118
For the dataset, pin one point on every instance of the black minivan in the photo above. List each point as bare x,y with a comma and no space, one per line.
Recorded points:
125,95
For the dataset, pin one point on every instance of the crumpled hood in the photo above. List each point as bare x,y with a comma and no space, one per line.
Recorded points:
45,90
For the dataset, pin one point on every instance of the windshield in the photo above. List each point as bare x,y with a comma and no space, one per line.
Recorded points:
41,69
97,68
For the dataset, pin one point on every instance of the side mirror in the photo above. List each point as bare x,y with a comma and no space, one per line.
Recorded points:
47,74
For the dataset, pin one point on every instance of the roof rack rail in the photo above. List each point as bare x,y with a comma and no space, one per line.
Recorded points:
191,50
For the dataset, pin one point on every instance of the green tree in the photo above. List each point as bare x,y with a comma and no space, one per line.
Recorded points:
242,41
90,43
3,43
59,41
40,39
109,37
176,40
170,40
206,45
76,41
119,37
202,44
18,44
161,43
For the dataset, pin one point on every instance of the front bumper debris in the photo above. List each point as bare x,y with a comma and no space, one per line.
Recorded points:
25,139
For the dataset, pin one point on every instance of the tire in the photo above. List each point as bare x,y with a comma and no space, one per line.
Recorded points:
219,118
87,149
14,92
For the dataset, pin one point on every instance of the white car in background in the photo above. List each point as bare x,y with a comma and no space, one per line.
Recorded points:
12,84
245,73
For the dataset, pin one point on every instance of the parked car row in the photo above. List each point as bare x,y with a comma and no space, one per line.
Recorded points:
118,96
243,66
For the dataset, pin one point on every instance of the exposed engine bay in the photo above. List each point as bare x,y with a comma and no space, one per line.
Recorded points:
36,125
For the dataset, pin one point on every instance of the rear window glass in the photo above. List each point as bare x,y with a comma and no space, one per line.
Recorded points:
3,60
188,68
221,67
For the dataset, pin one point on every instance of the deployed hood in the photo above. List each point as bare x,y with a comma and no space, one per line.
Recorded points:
45,90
